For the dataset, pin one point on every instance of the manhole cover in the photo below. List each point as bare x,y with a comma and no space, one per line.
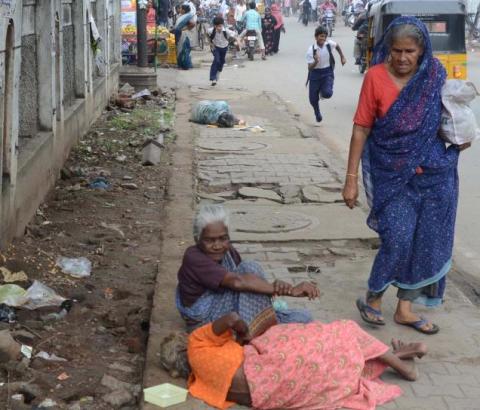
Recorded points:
266,221
215,145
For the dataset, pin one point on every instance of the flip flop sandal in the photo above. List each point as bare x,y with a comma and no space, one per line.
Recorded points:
418,326
364,309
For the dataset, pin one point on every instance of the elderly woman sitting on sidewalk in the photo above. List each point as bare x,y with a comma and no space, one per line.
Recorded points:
213,280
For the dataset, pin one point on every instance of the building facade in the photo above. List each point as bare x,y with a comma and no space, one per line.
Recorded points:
59,63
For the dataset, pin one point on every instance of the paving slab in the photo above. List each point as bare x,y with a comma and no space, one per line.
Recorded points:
298,222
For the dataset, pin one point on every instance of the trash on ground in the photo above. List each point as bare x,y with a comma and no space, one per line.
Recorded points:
12,295
9,276
39,295
100,183
47,403
126,89
7,314
108,293
121,158
64,309
63,376
27,351
113,227
9,347
142,94
251,128
76,267
50,357
165,394
152,150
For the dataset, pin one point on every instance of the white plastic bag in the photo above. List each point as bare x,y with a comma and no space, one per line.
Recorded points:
76,267
39,295
458,124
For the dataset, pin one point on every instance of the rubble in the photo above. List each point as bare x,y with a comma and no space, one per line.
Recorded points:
9,348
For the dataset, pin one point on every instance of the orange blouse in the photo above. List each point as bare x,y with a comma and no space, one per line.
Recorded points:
214,361
378,94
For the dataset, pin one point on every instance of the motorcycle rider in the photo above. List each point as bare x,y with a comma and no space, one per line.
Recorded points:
253,22
361,27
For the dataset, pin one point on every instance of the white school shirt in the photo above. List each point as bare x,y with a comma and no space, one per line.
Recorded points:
324,61
219,40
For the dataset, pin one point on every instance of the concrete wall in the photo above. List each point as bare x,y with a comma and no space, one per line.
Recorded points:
52,88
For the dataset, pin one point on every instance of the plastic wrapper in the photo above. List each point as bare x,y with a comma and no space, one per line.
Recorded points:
458,124
76,267
39,295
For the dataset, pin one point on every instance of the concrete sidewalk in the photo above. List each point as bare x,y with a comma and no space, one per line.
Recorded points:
299,230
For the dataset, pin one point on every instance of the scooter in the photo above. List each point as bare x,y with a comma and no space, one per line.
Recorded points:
251,43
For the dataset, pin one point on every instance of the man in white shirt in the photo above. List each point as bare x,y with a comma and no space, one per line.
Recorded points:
219,37
314,4
320,69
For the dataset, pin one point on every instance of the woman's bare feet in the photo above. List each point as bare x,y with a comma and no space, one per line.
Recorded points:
409,350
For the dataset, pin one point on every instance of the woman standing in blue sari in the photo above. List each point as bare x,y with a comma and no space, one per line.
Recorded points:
409,174
182,40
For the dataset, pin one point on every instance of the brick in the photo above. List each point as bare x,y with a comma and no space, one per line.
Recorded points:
442,380
435,368
424,390
470,391
462,404
286,256
413,403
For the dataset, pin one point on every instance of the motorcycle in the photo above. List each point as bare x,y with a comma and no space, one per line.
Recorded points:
251,43
328,21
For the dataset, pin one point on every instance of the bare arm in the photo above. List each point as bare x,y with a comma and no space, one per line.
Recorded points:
350,190
231,321
249,282
342,56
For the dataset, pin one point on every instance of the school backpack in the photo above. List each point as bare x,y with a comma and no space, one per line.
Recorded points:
332,59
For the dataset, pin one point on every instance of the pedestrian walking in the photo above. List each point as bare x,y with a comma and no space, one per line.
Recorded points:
410,177
279,27
306,8
219,37
268,31
321,65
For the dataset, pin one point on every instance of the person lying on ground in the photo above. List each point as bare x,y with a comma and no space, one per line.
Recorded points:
291,366
213,280
213,112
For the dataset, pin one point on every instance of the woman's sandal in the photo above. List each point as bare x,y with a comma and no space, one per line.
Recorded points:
365,310
418,326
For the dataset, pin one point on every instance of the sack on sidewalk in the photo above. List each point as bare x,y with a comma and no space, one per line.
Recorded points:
213,112
458,124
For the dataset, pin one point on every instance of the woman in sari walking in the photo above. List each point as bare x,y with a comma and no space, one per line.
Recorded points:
182,41
268,31
409,174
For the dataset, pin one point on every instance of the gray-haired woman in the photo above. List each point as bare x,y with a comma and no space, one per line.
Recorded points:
213,280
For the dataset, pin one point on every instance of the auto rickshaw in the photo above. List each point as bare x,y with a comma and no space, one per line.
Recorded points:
445,21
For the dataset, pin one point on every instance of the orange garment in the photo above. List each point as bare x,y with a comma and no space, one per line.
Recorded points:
378,94
214,361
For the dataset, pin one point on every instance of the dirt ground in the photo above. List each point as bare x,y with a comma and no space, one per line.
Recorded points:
119,230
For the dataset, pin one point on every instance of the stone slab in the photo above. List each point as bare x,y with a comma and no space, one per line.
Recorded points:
263,223
314,193
249,192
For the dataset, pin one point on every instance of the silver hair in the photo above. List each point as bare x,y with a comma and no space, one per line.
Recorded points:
406,31
206,215
173,354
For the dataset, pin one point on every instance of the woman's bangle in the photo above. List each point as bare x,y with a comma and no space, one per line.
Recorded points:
352,175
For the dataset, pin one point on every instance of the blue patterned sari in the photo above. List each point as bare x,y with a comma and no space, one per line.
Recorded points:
182,41
254,308
411,182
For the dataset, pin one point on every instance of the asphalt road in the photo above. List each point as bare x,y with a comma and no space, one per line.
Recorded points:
285,74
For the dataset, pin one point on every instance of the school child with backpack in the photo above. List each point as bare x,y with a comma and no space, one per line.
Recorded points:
219,37
321,64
